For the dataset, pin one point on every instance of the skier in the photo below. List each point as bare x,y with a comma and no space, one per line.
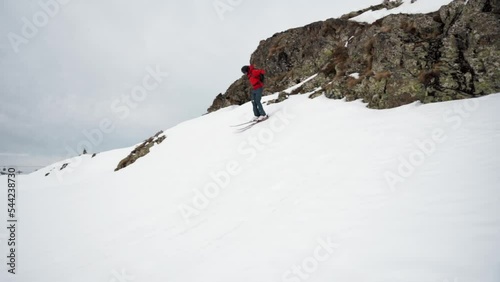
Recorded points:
255,77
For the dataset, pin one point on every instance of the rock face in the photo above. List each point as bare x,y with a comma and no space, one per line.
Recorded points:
141,150
453,53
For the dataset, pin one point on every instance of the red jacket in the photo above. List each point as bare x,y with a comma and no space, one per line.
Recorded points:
254,77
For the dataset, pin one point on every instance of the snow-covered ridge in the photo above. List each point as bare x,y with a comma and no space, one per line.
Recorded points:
407,7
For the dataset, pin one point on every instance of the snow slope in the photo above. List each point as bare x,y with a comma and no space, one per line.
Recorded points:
325,190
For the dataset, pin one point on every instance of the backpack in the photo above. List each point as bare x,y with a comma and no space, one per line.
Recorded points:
261,77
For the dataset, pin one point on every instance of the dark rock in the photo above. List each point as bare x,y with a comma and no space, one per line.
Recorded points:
141,150
281,97
386,4
453,53
315,94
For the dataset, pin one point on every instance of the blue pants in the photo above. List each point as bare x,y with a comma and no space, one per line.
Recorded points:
258,110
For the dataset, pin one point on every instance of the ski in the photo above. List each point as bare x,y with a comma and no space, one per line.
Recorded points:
248,122
241,129
247,127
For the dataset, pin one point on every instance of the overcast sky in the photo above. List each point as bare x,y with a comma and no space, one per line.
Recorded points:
112,73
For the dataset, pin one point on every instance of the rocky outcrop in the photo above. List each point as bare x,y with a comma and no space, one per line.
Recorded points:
141,150
386,4
453,53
